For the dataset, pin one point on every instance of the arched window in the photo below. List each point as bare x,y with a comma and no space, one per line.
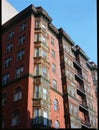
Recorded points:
57,125
56,105
4,98
18,94
16,118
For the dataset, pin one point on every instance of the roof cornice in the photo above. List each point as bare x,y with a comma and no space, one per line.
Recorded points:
66,36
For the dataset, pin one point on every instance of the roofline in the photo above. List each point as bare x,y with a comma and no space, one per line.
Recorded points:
90,64
36,11
66,36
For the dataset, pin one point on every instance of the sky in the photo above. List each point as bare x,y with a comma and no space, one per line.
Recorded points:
77,17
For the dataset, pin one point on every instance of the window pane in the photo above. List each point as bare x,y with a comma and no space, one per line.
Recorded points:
54,84
45,115
55,105
53,53
45,72
44,93
57,124
18,94
37,91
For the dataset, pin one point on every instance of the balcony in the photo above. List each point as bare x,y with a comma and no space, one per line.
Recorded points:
40,102
41,59
78,76
83,106
77,64
85,123
80,90
41,122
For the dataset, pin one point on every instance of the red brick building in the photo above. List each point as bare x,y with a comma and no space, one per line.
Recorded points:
40,79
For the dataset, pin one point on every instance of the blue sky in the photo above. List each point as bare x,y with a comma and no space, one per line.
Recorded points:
77,17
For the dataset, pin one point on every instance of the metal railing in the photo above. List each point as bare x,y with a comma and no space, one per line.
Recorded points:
83,104
81,88
41,121
85,122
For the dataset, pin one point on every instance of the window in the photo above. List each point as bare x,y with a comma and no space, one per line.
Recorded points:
16,118
37,24
18,94
22,27
45,72
76,111
57,125
54,68
37,37
19,72
45,115
8,61
44,93
9,47
73,92
5,79
4,99
36,112
52,41
54,84
20,54
73,125
43,39
21,40
71,108
37,69
37,52
36,115
37,91
11,35
53,53
43,27
56,105
44,54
